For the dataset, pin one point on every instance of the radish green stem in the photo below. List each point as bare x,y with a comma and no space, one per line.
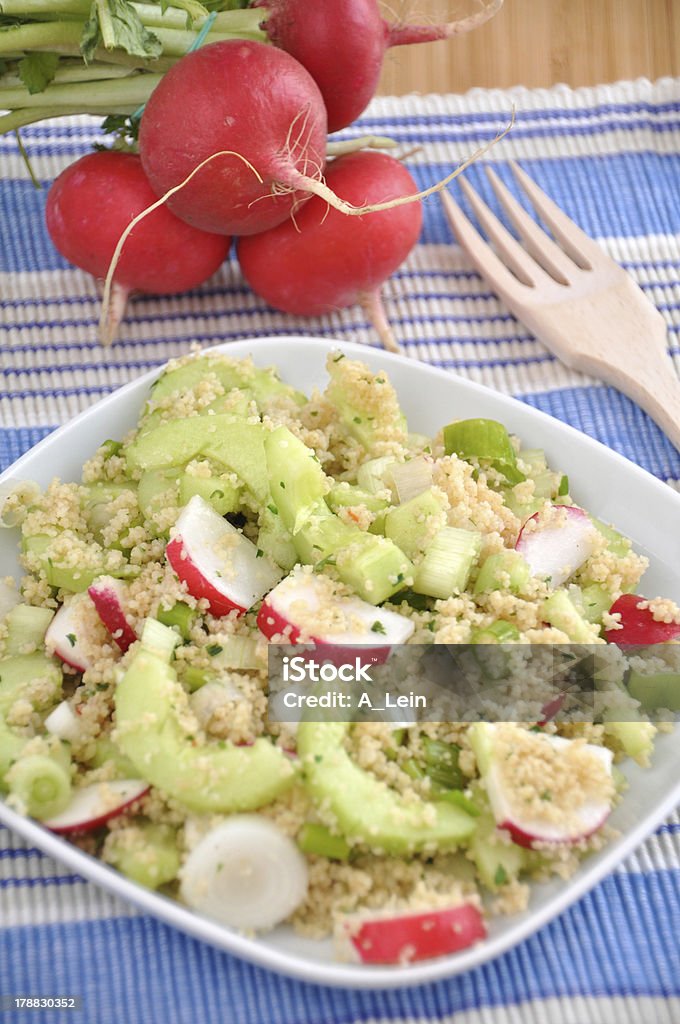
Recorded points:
106,339
27,162
69,73
20,118
97,96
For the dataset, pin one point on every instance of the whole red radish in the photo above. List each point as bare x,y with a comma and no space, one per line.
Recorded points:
250,100
323,260
343,43
89,206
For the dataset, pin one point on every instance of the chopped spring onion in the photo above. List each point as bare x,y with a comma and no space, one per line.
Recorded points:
446,566
40,784
486,440
441,763
411,478
499,632
376,474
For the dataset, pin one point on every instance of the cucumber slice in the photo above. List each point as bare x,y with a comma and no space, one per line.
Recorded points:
26,625
76,581
264,384
504,570
219,492
31,677
297,482
146,853
158,491
561,613
364,808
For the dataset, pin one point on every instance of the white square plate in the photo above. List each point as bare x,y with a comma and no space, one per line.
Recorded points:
606,484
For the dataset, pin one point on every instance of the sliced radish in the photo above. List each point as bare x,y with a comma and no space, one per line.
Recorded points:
245,873
217,562
526,829
63,722
638,625
554,551
306,604
65,636
108,596
92,806
390,938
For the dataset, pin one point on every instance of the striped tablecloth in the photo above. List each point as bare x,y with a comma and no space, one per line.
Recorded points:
610,156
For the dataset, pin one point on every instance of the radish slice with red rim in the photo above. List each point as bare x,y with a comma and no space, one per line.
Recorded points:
307,604
403,938
92,806
108,595
554,550
217,562
65,636
638,625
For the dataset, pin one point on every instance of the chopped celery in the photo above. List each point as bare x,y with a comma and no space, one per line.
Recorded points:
26,627
504,570
374,567
297,482
146,853
616,542
447,563
344,495
219,492
413,524
320,841
485,440
181,616
499,632
560,611
441,763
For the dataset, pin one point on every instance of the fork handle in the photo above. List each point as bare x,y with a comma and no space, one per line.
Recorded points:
652,384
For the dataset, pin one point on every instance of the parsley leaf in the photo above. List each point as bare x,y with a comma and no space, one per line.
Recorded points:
115,24
377,627
36,70
214,649
71,637
501,876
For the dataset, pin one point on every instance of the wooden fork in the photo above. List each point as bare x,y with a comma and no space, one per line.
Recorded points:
581,304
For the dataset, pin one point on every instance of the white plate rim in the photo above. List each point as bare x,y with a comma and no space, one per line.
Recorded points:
336,974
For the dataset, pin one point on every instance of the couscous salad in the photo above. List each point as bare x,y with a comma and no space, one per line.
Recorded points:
134,712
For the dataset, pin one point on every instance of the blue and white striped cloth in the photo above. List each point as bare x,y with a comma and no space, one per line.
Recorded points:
610,157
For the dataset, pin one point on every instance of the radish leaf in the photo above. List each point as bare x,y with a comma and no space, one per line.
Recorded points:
36,70
115,23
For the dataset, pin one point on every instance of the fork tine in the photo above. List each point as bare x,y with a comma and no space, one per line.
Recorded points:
537,242
481,254
575,242
519,261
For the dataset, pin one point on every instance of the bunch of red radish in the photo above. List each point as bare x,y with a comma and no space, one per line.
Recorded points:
233,142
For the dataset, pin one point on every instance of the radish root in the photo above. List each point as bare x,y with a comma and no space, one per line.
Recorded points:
108,323
319,187
362,142
402,34
372,305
